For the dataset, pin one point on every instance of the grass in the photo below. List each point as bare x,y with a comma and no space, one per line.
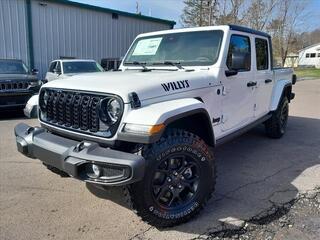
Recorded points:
307,72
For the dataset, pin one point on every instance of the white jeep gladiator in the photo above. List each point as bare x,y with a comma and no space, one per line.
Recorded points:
152,127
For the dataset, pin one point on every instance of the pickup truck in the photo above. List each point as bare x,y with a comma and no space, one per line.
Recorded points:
152,128
59,69
17,84
62,68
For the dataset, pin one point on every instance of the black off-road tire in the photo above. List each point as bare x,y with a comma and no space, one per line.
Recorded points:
277,124
143,195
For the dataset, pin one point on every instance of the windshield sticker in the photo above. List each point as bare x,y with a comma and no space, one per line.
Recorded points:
147,47
175,85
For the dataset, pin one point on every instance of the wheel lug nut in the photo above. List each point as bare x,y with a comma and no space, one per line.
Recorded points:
170,187
180,186
169,179
175,173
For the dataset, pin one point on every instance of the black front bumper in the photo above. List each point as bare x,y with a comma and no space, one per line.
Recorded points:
16,99
73,157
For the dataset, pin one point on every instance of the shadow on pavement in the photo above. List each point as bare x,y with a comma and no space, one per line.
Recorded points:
255,173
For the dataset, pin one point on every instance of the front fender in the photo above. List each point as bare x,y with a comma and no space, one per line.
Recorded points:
277,93
160,113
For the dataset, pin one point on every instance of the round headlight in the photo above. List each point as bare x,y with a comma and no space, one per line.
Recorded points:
114,109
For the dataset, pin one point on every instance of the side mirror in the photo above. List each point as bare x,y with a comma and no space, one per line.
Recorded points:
34,71
56,71
239,61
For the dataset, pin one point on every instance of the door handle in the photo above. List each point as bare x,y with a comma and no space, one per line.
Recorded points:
251,84
267,81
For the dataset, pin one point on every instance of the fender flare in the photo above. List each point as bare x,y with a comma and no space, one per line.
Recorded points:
162,113
278,91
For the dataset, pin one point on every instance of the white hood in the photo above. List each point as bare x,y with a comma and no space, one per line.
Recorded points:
145,84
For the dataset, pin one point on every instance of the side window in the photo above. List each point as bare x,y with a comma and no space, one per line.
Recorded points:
52,66
58,67
239,46
307,55
262,58
312,55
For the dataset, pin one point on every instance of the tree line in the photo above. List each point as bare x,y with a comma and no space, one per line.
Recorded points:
280,18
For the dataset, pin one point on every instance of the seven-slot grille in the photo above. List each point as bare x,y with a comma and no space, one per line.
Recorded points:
75,110
13,85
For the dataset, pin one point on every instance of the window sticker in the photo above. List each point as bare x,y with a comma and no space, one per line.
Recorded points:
147,47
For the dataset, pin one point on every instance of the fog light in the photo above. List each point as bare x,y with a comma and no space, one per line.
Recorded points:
96,170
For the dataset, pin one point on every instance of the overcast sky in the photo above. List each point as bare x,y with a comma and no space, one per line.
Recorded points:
172,9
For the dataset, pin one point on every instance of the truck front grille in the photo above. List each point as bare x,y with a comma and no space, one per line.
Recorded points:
13,85
75,110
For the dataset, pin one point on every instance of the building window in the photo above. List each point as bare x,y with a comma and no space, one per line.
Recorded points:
115,15
312,55
262,54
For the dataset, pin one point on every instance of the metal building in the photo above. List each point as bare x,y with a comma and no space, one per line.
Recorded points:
40,31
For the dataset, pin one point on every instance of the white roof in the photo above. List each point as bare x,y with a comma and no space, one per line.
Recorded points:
193,29
313,45
74,60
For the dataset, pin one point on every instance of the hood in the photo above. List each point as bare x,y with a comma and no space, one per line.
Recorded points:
17,77
146,84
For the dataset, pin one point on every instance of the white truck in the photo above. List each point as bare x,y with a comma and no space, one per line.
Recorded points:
153,126
62,68
59,69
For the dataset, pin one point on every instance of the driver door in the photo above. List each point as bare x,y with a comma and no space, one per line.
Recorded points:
238,100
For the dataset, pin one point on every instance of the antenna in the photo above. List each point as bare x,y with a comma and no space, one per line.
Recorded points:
137,8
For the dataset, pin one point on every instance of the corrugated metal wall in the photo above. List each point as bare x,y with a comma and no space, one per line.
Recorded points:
62,30
13,30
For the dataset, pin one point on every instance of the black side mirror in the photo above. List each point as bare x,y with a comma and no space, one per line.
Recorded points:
34,71
239,61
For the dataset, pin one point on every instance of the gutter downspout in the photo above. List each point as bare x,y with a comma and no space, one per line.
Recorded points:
29,34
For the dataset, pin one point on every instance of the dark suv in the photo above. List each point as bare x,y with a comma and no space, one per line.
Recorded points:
17,84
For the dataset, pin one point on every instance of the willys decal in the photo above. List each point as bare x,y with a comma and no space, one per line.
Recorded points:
171,86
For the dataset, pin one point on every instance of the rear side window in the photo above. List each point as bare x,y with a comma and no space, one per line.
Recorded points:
239,44
312,55
307,55
262,54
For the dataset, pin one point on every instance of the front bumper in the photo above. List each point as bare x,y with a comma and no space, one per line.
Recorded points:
16,98
74,157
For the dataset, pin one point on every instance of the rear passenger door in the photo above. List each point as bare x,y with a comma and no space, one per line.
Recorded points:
263,76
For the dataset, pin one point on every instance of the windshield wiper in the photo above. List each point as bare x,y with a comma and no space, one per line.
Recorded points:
142,64
176,64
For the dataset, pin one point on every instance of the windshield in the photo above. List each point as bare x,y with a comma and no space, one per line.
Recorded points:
187,48
81,67
12,67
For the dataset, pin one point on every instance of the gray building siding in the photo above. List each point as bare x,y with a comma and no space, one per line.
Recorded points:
72,30
13,30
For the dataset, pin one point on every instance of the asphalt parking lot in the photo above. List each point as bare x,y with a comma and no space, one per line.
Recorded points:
255,174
